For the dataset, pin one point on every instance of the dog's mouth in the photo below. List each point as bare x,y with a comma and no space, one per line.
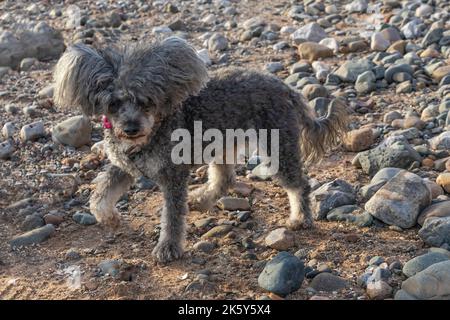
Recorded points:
133,138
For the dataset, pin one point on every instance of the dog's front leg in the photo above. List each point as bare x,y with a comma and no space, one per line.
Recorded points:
110,186
173,221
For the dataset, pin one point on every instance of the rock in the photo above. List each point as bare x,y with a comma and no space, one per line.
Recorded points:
435,189
422,262
27,63
313,51
311,32
53,219
424,10
378,42
404,87
217,231
274,67
379,290
365,83
161,30
280,239
33,221
433,283
42,42
359,140
46,92
391,153
233,204
204,246
342,213
413,121
436,231
444,181
330,43
204,55
74,132
359,6
217,43
84,218
33,237
391,116
312,91
110,267
6,149
283,274
398,68
378,181
4,71
350,70
440,73
441,142
376,261
331,195
32,131
432,36
436,210
391,34
72,255
328,282
411,30
8,130
400,200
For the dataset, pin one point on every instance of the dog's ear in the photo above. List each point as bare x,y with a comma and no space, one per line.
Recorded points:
163,74
82,77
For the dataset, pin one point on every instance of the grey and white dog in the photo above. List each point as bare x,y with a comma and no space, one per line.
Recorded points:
149,90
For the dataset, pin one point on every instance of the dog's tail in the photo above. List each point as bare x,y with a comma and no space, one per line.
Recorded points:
320,134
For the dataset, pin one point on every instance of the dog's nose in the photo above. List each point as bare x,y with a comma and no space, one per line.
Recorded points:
131,129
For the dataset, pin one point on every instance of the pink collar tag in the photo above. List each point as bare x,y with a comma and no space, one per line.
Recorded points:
106,123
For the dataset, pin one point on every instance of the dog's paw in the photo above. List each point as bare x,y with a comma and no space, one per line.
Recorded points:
299,224
201,203
166,251
108,217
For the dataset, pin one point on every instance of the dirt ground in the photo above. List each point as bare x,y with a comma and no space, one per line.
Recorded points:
42,271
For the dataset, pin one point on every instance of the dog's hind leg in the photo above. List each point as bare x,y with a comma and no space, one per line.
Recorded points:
173,218
296,184
221,177
110,186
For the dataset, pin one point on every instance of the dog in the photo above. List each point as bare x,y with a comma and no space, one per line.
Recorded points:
146,91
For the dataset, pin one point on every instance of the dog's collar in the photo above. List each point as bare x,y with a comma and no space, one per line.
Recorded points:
105,123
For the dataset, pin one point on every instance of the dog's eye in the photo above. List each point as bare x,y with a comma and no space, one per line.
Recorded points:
114,107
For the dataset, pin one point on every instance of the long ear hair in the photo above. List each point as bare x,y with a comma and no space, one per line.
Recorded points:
83,77
163,74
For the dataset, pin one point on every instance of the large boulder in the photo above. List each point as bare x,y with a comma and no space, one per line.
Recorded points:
433,283
436,231
394,152
283,274
74,132
43,43
312,32
331,195
350,70
400,200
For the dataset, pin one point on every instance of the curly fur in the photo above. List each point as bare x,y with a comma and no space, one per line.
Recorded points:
148,91
163,75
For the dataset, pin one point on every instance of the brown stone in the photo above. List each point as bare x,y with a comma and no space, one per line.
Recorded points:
398,46
429,53
440,209
441,72
313,51
444,181
359,140
52,219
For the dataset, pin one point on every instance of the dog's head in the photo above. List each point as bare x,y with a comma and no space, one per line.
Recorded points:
135,87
